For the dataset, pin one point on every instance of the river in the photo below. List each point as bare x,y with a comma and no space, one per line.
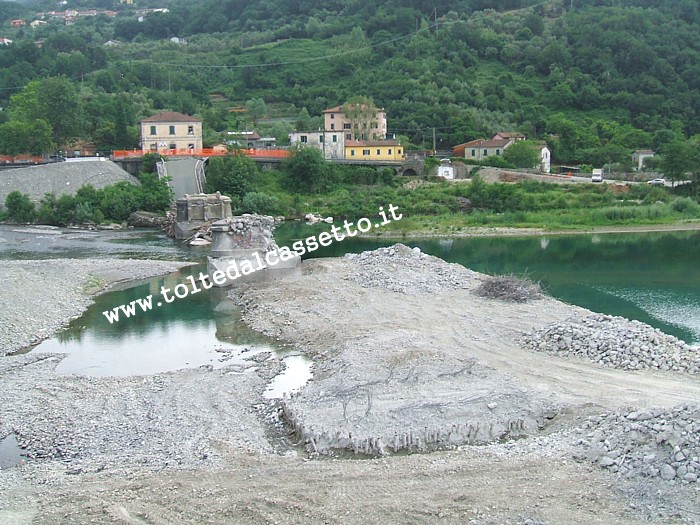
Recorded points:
651,277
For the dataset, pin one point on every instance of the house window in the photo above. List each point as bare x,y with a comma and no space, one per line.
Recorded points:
379,152
332,126
332,115
473,153
352,152
486,153
153,130
398,151
365,152
498,152
389,151
348,136
190,130
190,146
320,139
172,130
347,125
173,146
304,139
335,138
374,136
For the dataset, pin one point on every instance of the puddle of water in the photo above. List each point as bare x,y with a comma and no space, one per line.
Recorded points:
295,375
201,329
10,453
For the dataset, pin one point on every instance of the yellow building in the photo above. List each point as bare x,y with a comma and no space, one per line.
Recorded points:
376,150
171,130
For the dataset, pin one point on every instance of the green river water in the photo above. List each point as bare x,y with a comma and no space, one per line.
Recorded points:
652,277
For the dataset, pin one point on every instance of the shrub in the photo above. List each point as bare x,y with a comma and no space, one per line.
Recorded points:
685,205
262,203
83,212
19,207
120,200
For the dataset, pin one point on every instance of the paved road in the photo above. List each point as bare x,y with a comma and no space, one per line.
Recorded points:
182,174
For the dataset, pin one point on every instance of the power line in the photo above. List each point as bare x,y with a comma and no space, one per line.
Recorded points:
315,59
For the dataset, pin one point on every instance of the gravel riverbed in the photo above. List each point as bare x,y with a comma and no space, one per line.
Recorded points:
407,358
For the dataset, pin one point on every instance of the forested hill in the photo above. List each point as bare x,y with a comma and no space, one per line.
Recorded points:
603,77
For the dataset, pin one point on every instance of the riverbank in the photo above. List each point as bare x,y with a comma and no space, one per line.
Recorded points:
523,232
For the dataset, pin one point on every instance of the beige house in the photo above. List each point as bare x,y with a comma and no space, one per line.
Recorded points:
356,122
170,130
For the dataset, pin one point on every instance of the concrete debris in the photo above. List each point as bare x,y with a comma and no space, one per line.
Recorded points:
651,443
616,342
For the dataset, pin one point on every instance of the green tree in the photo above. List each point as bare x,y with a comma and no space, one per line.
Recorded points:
306,170
17,137
54,100
256,108
678,158
19,207
522,154
233,175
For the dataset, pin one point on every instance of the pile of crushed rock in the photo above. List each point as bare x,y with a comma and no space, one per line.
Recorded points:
651,443
616,342
408,270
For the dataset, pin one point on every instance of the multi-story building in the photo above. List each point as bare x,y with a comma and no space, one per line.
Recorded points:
376,150
171,130
356,121
331,143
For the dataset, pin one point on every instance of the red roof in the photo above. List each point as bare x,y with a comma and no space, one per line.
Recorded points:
482,143
171,116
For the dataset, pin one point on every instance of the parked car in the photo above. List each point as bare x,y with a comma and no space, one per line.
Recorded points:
657,182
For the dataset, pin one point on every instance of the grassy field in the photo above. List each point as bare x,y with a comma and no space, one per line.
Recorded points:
451,207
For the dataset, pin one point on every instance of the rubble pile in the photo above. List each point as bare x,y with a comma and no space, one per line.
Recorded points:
409,271
616,342
648,443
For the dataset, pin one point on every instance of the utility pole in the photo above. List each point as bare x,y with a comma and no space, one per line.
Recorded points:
434,143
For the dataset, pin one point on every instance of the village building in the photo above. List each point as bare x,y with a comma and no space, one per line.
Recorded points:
249,140
356,122
374,150
331,143
481,148
509,135
170,130
5,41
545,158
352,132
640,155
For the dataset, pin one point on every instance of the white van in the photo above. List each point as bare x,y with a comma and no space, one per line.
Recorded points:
597,175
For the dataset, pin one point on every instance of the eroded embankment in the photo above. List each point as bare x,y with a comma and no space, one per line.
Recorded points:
393,332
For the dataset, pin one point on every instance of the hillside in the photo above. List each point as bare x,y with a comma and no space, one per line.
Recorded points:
605,77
